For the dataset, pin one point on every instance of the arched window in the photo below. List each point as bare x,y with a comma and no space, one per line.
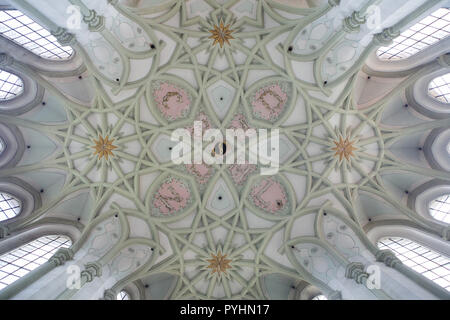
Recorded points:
28,257
439,88
10,86
123,295
9,206
427,262
320,297
423,34
440,208
21,29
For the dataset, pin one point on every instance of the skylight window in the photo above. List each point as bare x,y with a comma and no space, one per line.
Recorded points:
440,208
429,263
10,86
21,29
9,206
439,88
123,295
320,297
21,261
430,30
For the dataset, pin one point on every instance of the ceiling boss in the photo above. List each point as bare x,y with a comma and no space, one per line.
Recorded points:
221,34
344,148
219,263
104,147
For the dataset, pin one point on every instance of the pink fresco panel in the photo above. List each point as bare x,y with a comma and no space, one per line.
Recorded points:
172,196
269,102
269,195
172,101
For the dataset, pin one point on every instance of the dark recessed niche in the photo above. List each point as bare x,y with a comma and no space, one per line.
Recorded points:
152,46
42,190
44,103
220,198
80,77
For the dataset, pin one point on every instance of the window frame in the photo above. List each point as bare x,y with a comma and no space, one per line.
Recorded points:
44,36
123,295
17,83
417,33
431,210
8,200
423,255
25,258
432,86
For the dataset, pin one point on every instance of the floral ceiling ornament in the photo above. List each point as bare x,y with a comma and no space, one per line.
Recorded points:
344,148
104,147
221,34
219,263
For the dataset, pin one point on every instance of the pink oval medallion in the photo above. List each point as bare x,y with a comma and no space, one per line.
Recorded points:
173,195
269,102
173,102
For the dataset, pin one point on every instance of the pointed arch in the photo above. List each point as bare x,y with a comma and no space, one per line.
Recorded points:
19,262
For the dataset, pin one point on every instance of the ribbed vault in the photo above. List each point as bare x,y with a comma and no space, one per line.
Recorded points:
351,145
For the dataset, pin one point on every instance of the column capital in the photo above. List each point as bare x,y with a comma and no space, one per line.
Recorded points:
354,22
385,37
92,270
61,256
64,37
387,257
96,23
355,270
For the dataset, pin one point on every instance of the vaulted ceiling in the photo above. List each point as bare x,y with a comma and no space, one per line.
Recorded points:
94,149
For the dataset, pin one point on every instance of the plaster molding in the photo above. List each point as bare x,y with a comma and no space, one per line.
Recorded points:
14,145
355,271
388,258
62,256
91,271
